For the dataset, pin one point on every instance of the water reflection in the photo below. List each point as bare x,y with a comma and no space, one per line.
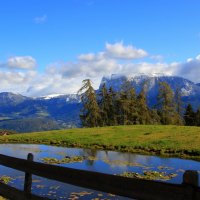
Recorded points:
99,161
92,153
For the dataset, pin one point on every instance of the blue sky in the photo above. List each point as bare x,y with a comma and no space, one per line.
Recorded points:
50,46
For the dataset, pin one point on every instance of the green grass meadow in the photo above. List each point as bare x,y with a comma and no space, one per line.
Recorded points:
180,141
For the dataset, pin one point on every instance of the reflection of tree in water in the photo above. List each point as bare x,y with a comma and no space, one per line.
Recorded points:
145,160
134,158
116,158
89,153
119,158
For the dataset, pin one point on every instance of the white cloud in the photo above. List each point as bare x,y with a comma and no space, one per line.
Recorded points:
66,77
116,51
119,51
189,69
41,19
132,69
16,82
21,62
48,84
91,68
93,57
198,57
87,57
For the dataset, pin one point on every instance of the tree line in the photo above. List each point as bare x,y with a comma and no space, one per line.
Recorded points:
109,108
191,117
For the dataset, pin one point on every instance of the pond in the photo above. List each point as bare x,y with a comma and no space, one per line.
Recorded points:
110,162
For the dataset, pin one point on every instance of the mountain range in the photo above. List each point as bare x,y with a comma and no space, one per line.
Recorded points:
189,90
27,114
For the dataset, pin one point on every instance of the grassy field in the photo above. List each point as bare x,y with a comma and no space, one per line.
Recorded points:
181,141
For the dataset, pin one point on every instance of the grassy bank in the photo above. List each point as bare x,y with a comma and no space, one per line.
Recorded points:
177,141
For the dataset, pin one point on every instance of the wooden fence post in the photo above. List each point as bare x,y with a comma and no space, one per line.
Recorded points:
190,177
190,180
28,177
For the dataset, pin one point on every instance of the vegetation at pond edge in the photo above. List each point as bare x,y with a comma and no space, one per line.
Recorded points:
169,140
5,179
63,160
150,175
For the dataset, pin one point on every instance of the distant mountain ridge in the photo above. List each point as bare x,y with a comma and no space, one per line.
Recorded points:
57,111
11,98
190,91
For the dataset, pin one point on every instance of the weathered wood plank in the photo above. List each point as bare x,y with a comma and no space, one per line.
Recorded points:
15,194
129,187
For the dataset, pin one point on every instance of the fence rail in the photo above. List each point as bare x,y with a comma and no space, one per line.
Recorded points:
128,187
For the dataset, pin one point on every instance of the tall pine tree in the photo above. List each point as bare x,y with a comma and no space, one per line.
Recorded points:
90,113
197,117
179,106
189,116
166,105
112,117
104,105
133,110
143,110
126,104
107,105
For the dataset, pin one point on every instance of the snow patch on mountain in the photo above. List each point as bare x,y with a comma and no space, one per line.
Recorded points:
189,90
68,98
51,96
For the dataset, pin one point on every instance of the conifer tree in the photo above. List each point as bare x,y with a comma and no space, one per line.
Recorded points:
143,110
125,107
107,105
104,104
133,110
189,116
154,116
90,113
126,104
112,116
166,105
179,106
197,117
121,108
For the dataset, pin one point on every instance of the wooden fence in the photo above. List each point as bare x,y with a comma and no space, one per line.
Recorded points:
128,187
